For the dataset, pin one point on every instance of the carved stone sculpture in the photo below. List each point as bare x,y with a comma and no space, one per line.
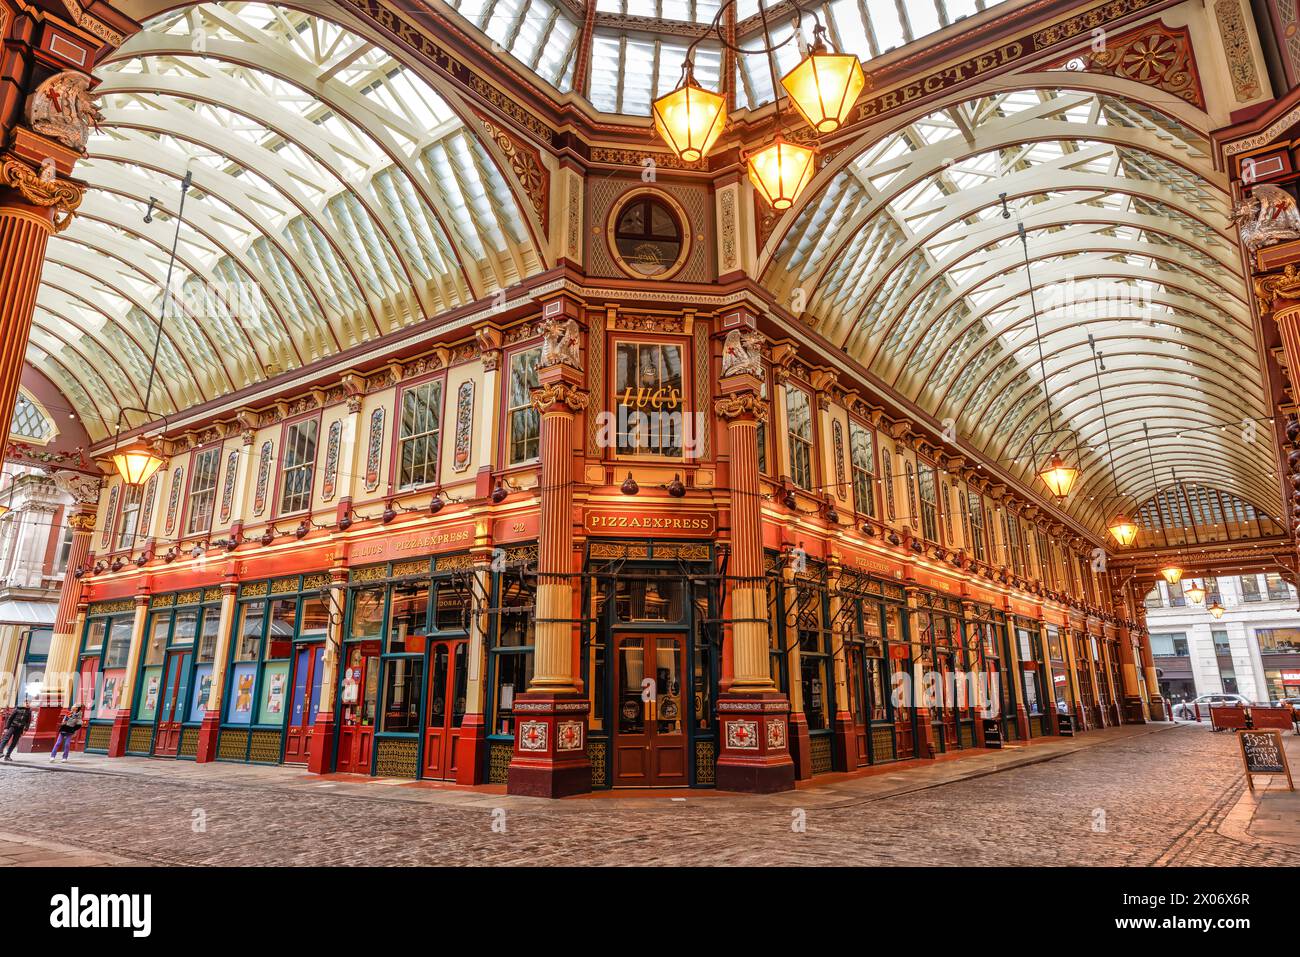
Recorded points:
742,353
61,108
560,343
1268,217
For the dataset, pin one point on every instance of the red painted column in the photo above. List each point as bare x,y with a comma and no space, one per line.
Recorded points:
550,751
210,727
471,746
753,714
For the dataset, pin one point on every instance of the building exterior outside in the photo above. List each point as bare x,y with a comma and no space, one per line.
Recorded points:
1253,650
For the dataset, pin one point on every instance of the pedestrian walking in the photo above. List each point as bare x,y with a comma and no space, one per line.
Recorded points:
68,728
15,727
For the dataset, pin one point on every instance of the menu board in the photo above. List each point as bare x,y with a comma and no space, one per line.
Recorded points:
1262,752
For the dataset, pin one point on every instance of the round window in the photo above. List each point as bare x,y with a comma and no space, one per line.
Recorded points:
650,240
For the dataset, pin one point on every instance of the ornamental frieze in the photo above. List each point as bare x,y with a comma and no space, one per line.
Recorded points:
525,163
1154,55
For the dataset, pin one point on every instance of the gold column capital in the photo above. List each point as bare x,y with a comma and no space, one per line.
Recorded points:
59,195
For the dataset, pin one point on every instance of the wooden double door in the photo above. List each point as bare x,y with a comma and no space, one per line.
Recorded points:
650,739
308,670
358,695
171,706
445,707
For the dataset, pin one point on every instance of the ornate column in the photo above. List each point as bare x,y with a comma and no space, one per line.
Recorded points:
845,734
211,725
550,753
122,720
922,729
1155,701
800,742
61,665
471,746
1021,717
754,747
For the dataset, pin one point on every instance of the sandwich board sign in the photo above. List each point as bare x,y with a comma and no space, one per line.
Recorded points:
1262,752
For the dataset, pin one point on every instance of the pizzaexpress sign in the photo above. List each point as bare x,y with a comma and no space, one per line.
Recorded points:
600,521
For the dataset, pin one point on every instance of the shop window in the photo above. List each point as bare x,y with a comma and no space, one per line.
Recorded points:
119,643
418,441
1278,641
451,606
404,678
512,652
975,511
203,491
929,502
648,399
367,614
103,664
862,458
156,646
523,424
702,662
408,619
299,466
1278,589
799,427
129,523
641,597
814,657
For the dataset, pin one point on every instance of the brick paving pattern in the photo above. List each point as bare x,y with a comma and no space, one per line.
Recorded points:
1155,797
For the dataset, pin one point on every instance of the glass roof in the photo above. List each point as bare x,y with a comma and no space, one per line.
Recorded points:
905,259
336,197
638,46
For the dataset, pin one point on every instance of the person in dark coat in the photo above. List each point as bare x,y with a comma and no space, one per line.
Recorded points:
15,727
68,728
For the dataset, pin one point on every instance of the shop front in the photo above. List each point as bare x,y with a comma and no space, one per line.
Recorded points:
986,629
1035,676
947,665
403,685
1058,662
872,613
101,667
1089,705
273,677
175,675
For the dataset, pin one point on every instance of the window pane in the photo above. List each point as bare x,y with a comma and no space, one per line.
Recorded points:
402,694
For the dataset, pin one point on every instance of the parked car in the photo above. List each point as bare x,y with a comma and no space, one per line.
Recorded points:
1187,710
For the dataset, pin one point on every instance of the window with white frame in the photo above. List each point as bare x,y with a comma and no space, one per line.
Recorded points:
418,440
863,459
798,416
523,424
975,510
203,490
298,467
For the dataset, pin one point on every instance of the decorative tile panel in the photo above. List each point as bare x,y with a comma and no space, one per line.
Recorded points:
397,758
263,478
374,449
329,484
460,460
706,762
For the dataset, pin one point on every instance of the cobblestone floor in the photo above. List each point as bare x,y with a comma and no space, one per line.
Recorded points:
1155,797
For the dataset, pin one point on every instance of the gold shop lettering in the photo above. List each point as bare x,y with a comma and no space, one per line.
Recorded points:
602,520
656,399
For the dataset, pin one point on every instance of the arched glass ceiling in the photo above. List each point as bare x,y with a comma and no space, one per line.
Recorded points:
637,46
905,260
336,198
1189,514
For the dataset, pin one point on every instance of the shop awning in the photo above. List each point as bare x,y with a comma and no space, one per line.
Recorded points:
15,612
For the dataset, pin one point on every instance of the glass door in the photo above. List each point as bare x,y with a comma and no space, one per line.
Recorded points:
308,669
171,712
358,693
448,678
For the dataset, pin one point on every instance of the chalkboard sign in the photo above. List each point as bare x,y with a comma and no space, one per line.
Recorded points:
1262,752
1065,724
992,733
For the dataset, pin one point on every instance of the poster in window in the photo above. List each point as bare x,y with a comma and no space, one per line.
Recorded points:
150,684
240,709
109,693
203,690
275,681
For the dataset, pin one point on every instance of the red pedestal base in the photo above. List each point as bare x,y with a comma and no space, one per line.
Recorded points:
1022,722
320,750
550,756
117,738
924,733
845,739
471,750
754,746
43,731
800,746
208,732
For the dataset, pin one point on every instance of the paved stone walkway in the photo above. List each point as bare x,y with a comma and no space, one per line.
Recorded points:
1146,795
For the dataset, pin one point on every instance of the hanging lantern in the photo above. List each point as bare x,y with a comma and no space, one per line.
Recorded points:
1216,610
1196,592
1172,574
1123,530
690,118
1058,477
137,461
780,172
824,86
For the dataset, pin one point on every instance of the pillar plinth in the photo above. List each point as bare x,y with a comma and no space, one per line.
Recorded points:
550,749
754,717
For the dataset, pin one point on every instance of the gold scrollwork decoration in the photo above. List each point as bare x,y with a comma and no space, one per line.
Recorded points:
560,393
741,404
62,196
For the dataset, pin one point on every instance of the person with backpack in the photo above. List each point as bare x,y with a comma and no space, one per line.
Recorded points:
15,727
68,728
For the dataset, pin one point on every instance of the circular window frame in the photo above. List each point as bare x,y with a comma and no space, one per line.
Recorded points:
683,225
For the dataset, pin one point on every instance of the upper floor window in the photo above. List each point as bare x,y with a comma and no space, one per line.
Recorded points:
648,398
418,441
911,492
1176,599
1169,643
798,414
523,423
762,432
929,502
30,421
203,490
65,549
1012,529
129,524
862,457
1250,588
299,466
976,509
1278,589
